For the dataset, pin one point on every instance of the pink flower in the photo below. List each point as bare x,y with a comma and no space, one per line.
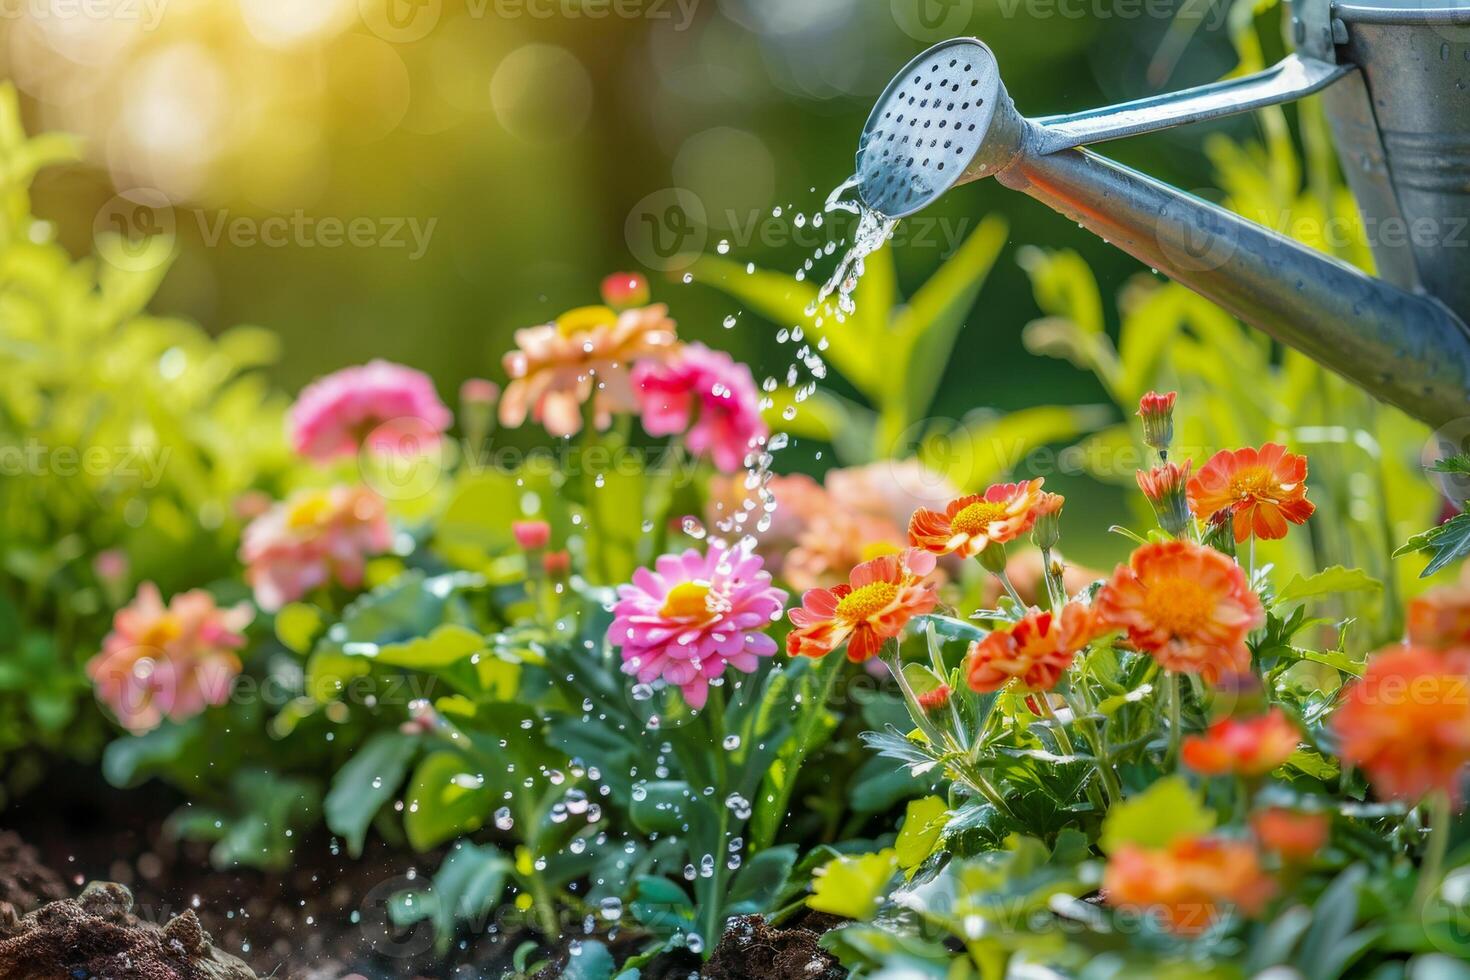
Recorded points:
312,539
168,661
586,354
336,414
729,419
694,615
531,535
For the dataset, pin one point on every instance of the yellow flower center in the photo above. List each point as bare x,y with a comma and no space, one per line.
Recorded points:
1178,606
687,600
585,319
863,602
976,518
877,549
310,510
1255,483
161,631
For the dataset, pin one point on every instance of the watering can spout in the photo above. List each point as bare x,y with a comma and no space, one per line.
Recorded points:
947,119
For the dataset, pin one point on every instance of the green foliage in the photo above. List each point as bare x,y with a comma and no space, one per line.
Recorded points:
122,430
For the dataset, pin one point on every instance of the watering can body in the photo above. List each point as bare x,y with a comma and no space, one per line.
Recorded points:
1395,80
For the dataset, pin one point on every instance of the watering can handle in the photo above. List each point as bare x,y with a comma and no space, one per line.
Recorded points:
1291,78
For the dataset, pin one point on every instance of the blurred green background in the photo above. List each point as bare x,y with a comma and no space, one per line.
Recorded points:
528,131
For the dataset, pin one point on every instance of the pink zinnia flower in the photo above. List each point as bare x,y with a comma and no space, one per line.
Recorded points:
586,354
168,661
729,419
694,615
391,407
314,538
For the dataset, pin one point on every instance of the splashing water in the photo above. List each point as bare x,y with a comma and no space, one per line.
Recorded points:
873,230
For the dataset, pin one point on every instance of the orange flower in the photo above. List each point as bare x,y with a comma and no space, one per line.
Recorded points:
586,354
1262,489
1187,605
972,523
934,700
1406,723
880,599
1035,651
1242,747
1188,884
1295,835
1441,618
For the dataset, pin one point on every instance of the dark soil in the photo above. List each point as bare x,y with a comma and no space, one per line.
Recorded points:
25,882
97,936
752,949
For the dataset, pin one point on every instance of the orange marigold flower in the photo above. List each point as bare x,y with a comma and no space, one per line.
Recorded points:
1406,722
1188,884
972,523
1034,652
1188,606
1242,746
880,598
1441,618
1294,835
1262,489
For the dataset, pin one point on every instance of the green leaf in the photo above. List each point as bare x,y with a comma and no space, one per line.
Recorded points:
590,960
445,799
1448,542
297,626
368,780
662,808
1459,463
662,906
923,824
853,886
1165,811
445,646
467,887
759,880
1329,581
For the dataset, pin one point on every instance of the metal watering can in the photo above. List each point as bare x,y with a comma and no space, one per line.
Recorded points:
1395,78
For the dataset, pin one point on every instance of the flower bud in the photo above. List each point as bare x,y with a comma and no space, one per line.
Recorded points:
1157,412
1048,529
993,558
531,535
625,290
1220,532
935,700
1166,488
556,564
479,391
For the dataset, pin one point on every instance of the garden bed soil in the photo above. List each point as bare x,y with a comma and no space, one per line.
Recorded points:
752,949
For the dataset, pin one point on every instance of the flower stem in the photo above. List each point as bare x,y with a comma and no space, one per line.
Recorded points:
1005,580
1064,741
1439,839
1175,713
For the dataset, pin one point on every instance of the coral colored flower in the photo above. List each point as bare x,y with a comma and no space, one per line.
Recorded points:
1406,722
531,535
387,406
1242,746
556,564
694,615
1441,618
479,391
587,354
168,661
728,423
881,596
971,524
1187,605
1157,412
934,700
1262,489
312,539
1035,652
1293,834
1165,487
1189,884
624,289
